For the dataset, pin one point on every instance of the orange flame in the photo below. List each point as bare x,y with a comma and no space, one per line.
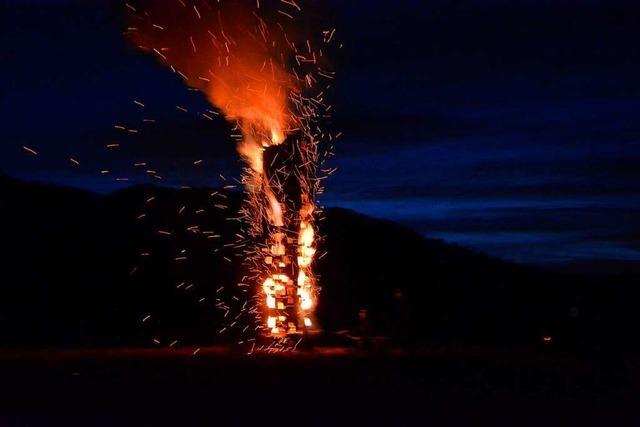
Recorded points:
227,51
231,55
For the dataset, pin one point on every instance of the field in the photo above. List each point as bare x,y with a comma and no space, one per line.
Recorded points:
322,386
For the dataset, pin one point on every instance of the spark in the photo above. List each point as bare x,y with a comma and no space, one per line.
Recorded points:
30,150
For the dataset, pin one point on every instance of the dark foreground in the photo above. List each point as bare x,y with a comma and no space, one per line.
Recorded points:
323,387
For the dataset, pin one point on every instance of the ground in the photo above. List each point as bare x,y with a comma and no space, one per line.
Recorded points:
330,386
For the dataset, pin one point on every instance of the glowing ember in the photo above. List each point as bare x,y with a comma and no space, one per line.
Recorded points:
266,81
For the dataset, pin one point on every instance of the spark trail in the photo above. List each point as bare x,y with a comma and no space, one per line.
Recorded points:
253,62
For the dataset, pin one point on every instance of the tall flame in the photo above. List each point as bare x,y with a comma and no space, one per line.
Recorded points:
244,67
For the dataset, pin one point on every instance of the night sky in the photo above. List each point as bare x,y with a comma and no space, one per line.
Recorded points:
509,126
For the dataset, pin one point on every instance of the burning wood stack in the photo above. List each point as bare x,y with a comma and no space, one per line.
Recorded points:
289,286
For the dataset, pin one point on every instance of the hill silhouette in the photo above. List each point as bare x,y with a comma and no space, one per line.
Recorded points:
82,269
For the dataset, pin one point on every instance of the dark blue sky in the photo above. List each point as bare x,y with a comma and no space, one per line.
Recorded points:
509,126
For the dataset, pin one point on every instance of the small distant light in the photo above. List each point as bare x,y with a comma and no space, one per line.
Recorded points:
547,339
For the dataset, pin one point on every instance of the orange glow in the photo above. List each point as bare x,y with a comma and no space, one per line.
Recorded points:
237,61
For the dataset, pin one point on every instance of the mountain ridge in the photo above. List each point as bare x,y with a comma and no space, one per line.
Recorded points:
87,269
